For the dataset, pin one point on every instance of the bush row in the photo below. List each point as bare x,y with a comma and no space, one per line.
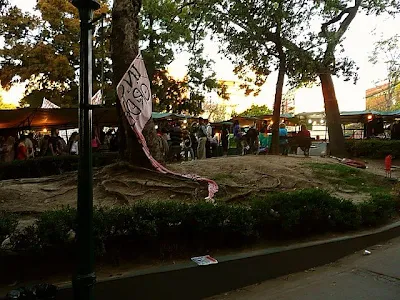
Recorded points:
161,229
50,165
373,148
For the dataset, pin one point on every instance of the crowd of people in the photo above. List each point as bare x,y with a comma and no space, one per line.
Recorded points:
200,141
38,144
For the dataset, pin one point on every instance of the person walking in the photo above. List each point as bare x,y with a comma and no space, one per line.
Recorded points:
202,136
225,139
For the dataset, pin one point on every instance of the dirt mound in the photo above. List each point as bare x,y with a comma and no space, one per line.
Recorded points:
122,184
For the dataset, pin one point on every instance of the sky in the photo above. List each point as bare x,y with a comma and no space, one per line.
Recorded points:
358,44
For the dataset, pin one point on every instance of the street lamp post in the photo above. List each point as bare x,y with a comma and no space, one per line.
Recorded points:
85,278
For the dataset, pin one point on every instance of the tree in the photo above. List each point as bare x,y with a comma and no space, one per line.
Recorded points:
309,55
43,49
215,112
124,49
388,52
256,111
252,35
326,61
168,27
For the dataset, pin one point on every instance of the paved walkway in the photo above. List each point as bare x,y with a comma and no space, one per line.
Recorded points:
356,277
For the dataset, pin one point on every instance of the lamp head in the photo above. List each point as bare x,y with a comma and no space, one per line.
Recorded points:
88,4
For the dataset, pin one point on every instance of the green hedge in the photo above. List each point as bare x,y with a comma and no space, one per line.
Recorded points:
8,224
50,165
373,148
164,229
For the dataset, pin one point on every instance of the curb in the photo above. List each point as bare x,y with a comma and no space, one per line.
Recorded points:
189,281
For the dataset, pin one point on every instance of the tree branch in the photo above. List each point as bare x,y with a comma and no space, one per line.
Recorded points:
351,13
180,9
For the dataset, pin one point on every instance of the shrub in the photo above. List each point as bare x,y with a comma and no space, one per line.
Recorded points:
8,224
303,212
378,210
373,148
50,165
164,229
53,227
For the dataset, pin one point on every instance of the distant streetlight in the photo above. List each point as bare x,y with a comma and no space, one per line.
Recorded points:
85,278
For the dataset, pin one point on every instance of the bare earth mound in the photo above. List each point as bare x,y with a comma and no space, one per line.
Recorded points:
121,184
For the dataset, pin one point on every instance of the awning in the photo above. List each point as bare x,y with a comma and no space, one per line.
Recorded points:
65,117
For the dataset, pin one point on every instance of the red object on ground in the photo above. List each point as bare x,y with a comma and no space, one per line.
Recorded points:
354,163
388,162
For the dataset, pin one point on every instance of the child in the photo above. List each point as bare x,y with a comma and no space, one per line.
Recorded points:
388,166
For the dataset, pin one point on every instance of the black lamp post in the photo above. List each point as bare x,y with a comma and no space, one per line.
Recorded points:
85,279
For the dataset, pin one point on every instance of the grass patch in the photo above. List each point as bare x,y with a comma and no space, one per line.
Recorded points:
351,178
223,176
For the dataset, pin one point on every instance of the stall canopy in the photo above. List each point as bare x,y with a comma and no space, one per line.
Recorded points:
65,118
348,117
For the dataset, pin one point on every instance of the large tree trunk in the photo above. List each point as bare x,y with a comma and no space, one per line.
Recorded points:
336,137
124,48
276,117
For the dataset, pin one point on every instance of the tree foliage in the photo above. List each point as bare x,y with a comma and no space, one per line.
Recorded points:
42,48
257,35
167,28
216,112
387,51
255,111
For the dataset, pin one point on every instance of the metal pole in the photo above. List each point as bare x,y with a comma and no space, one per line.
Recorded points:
102,58
85,278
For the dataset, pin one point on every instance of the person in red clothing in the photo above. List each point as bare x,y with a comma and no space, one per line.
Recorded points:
388,166
22,151
304,140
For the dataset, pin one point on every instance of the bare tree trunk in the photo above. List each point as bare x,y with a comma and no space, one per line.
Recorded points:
276,117
277,107
124,49
336,137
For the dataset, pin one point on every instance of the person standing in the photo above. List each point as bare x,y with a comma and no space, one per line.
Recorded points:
283,139
209,140
53,145
22,151
8,149
95,142
29,146
195,144
187,145
202,136
73,144
238,137
225,139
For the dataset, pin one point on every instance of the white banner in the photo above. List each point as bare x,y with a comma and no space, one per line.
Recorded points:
97,99
134,93
47,104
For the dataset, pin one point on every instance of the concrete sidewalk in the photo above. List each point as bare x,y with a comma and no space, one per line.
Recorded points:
356,277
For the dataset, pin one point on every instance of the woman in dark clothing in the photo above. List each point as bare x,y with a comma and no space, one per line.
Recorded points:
225,139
